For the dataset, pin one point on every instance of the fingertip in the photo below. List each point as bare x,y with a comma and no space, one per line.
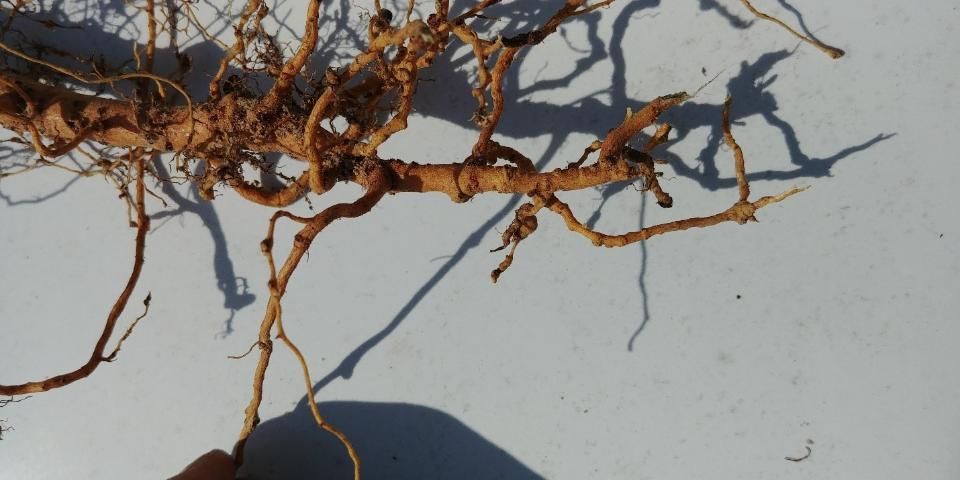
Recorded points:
213,465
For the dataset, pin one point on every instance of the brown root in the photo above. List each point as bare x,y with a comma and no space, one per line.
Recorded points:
833,52
97,357
373,92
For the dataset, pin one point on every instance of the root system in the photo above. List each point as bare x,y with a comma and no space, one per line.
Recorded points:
57,103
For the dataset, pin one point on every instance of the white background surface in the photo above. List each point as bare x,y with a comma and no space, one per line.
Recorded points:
833,320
